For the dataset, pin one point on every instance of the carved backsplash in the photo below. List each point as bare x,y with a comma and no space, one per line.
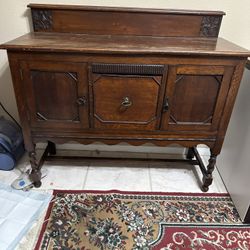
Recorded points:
210,26
42,19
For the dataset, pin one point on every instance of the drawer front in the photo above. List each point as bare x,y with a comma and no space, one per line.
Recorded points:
127,96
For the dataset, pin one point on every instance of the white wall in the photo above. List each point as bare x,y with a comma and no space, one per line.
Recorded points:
14,21
234,160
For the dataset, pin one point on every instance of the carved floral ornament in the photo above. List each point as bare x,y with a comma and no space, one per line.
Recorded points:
42,19
210,26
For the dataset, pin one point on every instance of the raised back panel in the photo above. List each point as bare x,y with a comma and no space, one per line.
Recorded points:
125,21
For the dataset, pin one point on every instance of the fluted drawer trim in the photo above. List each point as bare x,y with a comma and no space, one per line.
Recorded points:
130,69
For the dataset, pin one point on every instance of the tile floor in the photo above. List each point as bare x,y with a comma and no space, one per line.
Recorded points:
96,174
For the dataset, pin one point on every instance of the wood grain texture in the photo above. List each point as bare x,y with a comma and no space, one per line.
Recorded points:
52,90
123,9
199,89
21,103
142,94
80,43
211,61
134,86
113,140
136,24
131,21
228,108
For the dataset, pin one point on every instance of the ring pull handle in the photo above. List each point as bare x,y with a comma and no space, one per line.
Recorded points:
81,101
126,102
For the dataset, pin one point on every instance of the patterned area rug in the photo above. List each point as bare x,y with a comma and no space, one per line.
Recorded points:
88,220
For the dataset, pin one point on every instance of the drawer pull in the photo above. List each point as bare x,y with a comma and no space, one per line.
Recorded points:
81,101
126,102
165,105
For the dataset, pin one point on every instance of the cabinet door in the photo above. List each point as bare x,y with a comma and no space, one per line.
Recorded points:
195,97
56,94
127,96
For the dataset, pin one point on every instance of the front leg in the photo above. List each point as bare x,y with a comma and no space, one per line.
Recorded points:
35,175
208,177
190,154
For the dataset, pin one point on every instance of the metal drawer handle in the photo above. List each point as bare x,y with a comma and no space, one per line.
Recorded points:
166,105
126,102
81,101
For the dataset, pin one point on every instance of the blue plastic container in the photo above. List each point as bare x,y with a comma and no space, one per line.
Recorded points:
11,144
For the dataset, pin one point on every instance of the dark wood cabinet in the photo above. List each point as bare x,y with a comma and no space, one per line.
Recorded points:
130,75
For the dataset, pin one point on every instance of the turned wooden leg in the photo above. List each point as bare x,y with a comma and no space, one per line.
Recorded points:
190,154
208,177
35,174
52,148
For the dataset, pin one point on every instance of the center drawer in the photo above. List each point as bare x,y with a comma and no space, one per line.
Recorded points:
126,96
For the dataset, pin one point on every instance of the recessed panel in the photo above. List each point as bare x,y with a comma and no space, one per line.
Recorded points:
194,99
55,95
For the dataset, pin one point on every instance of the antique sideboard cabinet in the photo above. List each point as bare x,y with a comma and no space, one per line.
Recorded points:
132,75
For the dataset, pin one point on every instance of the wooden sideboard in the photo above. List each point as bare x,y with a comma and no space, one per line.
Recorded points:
132,75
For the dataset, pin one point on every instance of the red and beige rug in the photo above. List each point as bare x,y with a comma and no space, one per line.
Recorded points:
116,220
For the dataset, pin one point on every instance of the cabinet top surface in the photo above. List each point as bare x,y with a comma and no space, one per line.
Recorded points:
118,44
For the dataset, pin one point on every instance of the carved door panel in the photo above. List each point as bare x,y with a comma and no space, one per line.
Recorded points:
195,97
127,96
56,94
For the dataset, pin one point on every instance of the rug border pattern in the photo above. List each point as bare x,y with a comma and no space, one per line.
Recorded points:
114,191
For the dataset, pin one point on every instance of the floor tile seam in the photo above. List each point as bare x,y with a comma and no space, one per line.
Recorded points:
85,178
150,178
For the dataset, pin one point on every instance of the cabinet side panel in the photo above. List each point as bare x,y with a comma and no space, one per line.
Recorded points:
17,76
231,97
